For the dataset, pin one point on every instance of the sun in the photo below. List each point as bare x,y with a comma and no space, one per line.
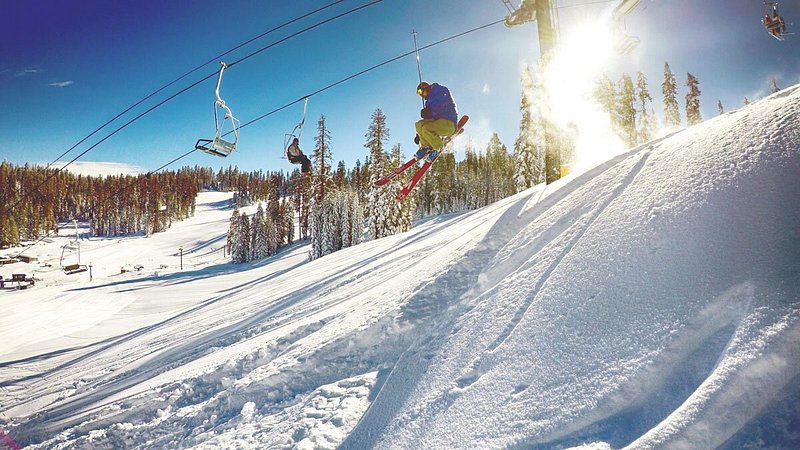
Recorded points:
584,54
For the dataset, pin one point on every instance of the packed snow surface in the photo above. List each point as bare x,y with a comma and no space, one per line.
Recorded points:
650,302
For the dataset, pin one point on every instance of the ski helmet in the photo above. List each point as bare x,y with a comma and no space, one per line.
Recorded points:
422,88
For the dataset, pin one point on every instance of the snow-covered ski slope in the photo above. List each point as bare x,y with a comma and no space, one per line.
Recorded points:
650,302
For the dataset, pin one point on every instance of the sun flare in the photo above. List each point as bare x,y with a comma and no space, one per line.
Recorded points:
570,78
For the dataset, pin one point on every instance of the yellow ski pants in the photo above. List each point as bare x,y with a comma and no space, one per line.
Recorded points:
431,131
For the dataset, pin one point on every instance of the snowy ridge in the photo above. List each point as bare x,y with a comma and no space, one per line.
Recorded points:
650,302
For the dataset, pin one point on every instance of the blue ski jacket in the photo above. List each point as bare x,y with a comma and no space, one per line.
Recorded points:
441,103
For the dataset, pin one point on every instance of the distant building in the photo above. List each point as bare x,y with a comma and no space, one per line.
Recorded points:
28,259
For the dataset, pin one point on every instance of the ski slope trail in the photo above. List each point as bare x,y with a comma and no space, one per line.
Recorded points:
652,301
645,274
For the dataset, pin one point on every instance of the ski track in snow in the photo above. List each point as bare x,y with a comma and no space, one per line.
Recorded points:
631,305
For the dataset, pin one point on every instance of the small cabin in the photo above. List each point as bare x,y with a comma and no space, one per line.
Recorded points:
27,259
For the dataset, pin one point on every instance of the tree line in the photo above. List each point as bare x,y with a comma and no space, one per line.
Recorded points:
35,199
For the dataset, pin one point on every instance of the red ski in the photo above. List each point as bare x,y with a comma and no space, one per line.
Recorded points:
421,171
414,180
393,174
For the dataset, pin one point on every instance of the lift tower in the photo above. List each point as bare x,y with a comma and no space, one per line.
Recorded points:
540,11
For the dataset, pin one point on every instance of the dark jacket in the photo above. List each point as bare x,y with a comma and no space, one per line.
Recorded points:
441,103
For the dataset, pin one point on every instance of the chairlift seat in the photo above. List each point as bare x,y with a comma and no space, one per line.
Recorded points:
217,147
626,44
75,268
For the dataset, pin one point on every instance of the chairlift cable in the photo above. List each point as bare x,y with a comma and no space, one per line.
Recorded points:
215,58
369,69
330,86
211,75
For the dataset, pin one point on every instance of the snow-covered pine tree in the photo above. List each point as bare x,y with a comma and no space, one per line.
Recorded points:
302,194
333,217
626,110
316,227
530,139
396,215
500,169
605,93
380,199
773,85
288,220
233,231
746,101
693,116
442,176
241,247
353,228
275,213
647,125
672,115
323,160
271,237
470,172
260,247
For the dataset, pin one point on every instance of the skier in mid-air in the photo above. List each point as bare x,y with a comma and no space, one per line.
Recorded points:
439,117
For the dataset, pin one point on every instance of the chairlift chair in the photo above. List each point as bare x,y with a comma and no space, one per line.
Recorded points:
219,146
524,13
773,21
70,269
624,43
287,138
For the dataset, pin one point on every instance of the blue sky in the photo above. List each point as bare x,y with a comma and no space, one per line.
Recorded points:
67,67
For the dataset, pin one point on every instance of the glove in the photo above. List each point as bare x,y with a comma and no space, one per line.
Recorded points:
416,139
425,113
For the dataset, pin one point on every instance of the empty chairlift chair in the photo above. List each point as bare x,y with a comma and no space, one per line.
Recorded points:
219,146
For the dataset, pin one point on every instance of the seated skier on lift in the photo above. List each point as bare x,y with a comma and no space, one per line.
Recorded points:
775,24
296,156
439,117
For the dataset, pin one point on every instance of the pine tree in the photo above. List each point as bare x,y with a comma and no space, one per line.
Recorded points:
720,108
773,85
9,232
529,147
647,126
380,199
354,227
605,93
746,101
261,246
271,236
323,160
241,247
669,88
626,110
340,177
316,228
442,176
233,231
693,116
288,220
396,220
